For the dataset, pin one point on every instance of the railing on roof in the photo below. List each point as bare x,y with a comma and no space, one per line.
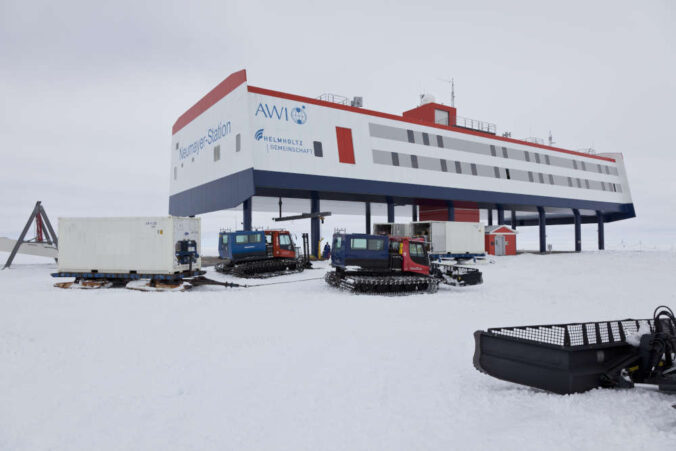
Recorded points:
334,98
473,124
589,150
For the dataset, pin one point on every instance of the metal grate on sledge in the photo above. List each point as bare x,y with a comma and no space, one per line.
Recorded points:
580,334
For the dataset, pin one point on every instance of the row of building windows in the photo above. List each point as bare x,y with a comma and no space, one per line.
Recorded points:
446,142
482,170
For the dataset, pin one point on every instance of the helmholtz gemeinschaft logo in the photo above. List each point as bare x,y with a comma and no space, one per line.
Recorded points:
282,143
298,115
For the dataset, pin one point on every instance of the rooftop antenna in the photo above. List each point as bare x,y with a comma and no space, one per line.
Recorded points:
452,83
551,139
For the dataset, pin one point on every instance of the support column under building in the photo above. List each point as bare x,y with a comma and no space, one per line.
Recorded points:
368,217
247,211
543,232
602,238
578,230
514,219
414,213
451,210
390,209
314,223
490,216
501,215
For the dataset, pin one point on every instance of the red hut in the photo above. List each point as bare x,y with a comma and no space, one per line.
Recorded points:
500,240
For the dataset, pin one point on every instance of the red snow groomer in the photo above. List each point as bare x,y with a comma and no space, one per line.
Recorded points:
390,264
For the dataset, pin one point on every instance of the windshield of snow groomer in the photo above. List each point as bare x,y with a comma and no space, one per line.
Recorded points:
417,249
285,241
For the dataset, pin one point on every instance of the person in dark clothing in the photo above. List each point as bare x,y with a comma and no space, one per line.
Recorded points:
327,252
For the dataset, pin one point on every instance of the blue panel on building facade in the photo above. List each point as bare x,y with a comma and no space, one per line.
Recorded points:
226,192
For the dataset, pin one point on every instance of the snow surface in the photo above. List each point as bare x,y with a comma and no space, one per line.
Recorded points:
304,366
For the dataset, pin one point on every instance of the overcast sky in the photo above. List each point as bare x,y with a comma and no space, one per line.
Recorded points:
89,92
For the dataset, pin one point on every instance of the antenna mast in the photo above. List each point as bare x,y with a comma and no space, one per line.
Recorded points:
452,82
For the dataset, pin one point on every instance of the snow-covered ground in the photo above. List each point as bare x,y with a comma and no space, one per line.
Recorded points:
304,366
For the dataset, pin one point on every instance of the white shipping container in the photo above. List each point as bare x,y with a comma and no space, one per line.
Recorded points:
142,245
451,237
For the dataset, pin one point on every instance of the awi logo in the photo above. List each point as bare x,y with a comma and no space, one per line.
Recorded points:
297,114
259,135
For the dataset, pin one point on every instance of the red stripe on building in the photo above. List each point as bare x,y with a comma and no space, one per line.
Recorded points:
345,147
223,89
283,95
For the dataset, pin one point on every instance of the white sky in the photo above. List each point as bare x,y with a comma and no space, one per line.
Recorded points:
89,92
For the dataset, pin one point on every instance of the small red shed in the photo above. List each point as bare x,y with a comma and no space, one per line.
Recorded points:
500,240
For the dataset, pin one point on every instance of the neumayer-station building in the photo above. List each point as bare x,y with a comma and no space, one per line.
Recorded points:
240,141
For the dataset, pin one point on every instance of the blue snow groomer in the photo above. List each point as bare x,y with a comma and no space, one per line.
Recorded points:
241,246
258,253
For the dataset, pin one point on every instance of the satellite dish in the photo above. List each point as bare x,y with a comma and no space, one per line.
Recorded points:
427,98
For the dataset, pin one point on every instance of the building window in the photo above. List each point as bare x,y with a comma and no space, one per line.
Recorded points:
586,182
440,141
217,153
414,161
530,176
570,182
319,152
541,177
504,152
426,139
600,169
574,164
458,168
411,136
395,159
493,151
583,166
496,171
444,168
238,142
509,177
527,155
176,146
537,158
441,117
547,159
551,179
607,170
473,168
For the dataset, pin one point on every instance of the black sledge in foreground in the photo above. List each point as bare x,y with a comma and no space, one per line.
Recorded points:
574,358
